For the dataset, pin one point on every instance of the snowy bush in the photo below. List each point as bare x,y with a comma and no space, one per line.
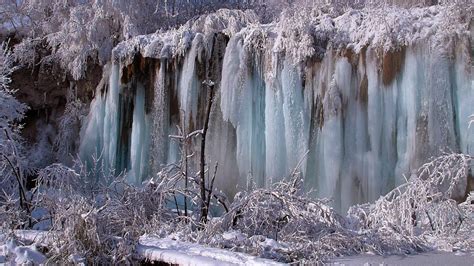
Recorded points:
385,27
309,29
67,140
285,224
424,206
6,66
11,216
13,165
301,227
95,221
102,222
175,42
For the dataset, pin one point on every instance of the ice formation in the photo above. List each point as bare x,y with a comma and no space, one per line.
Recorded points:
355,108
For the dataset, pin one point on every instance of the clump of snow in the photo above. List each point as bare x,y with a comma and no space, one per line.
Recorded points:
176,252
176,42
12,252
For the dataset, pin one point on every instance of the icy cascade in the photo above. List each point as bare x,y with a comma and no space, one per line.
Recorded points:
139,145
364,127
99,134
353,121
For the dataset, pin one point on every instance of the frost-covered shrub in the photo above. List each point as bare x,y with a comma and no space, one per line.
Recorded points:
385,27
11,215
6,66
284,224
97,221
86,232
424,206
13,165
175,42
101,222
263,211
67,139
284,213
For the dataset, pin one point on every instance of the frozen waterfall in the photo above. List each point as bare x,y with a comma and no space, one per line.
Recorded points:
354,122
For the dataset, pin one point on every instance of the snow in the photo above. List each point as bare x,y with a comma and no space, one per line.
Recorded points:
304,35
428,259
149,247
177,41
35,236
13,253
176,252
233,236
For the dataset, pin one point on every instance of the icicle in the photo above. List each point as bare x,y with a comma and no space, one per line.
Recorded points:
99,135
189,84
160,119
140,139
464,99
242,104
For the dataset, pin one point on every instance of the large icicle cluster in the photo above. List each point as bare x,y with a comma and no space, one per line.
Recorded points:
360,97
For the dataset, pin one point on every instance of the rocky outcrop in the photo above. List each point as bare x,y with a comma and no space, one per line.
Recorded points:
44,88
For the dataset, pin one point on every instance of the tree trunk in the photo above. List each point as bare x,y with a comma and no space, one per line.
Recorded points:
204,208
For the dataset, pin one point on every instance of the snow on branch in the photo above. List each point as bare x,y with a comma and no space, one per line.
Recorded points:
12,154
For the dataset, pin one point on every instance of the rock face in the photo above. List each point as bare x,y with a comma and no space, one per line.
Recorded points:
44,88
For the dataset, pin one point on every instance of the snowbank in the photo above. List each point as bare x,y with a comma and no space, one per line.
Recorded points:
14,253
176,252
149,248
428,259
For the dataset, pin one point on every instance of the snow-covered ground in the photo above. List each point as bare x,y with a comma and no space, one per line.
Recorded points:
429,259
14,254
25,250
176,252
181,253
